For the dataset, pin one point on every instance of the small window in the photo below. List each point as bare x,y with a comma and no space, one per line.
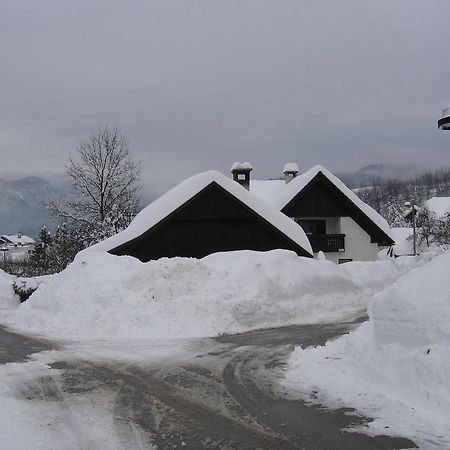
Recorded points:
241,176
313,227
344,260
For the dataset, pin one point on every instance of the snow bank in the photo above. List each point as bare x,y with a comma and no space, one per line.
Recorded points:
396,367
403,238
7,297
104,296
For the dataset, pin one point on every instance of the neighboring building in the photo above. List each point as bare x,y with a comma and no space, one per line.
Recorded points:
17,240
16,247
205,214
440,206
335,220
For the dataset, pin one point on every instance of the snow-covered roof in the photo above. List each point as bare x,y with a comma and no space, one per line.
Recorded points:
18,239
176,197
283,193
241,166
268,190
290,167
439,205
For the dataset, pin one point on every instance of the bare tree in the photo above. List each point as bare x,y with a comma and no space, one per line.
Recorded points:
105,181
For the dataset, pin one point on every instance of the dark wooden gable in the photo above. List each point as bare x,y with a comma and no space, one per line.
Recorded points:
212,221
321,198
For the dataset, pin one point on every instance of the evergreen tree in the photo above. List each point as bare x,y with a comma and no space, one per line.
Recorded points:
39,262
68,240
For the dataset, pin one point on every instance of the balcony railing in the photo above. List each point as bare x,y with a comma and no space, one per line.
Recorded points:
327,242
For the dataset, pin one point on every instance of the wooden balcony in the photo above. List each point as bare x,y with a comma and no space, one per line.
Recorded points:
327,243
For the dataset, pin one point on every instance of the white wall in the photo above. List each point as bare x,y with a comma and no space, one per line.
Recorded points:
357,243
19,253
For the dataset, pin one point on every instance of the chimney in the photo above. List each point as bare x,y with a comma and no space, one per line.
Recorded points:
290,171
241,173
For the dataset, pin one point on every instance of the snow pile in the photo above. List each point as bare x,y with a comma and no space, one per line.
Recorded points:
398,361
104,296
403,238
241,166
7,297
32,283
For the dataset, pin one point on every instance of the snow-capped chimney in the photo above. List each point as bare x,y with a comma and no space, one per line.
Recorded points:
241,173
290,171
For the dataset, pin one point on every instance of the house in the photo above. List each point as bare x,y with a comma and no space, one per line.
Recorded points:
16,240
16,246
204,214
335,220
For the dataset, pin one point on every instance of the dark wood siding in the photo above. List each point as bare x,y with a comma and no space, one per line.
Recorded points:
212,221
321,198
317,200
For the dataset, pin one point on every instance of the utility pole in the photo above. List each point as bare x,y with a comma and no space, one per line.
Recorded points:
414,209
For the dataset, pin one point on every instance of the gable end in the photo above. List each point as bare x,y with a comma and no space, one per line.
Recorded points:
322,198
212,220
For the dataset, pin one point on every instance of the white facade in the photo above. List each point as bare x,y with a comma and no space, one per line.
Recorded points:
358,245
15,254
15,247
357,242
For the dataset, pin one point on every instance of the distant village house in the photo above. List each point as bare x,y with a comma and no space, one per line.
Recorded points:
15,247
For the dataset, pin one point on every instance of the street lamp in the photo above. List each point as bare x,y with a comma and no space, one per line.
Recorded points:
444,121
413,210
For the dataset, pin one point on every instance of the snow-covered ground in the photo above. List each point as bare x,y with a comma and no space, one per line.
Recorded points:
103,305
7,297
100,296
396,366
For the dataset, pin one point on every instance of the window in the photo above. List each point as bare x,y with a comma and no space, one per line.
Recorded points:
313,226
344,260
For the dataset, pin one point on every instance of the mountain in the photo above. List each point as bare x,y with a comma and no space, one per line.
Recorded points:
376,173
23,205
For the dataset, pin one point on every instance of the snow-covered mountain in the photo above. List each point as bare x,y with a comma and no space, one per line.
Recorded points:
23,205
379,172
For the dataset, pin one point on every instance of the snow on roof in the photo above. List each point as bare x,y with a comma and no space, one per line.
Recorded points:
184,191
290,167
241,166
285,193
268,190
439,205
19,239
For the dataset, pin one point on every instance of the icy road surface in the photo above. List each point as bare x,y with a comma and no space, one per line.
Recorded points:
216,394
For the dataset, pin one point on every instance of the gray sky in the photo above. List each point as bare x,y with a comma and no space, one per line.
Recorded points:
197,85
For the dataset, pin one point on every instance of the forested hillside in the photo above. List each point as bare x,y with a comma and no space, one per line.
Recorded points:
388,197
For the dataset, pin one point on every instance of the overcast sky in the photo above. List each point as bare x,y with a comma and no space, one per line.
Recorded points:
197,85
